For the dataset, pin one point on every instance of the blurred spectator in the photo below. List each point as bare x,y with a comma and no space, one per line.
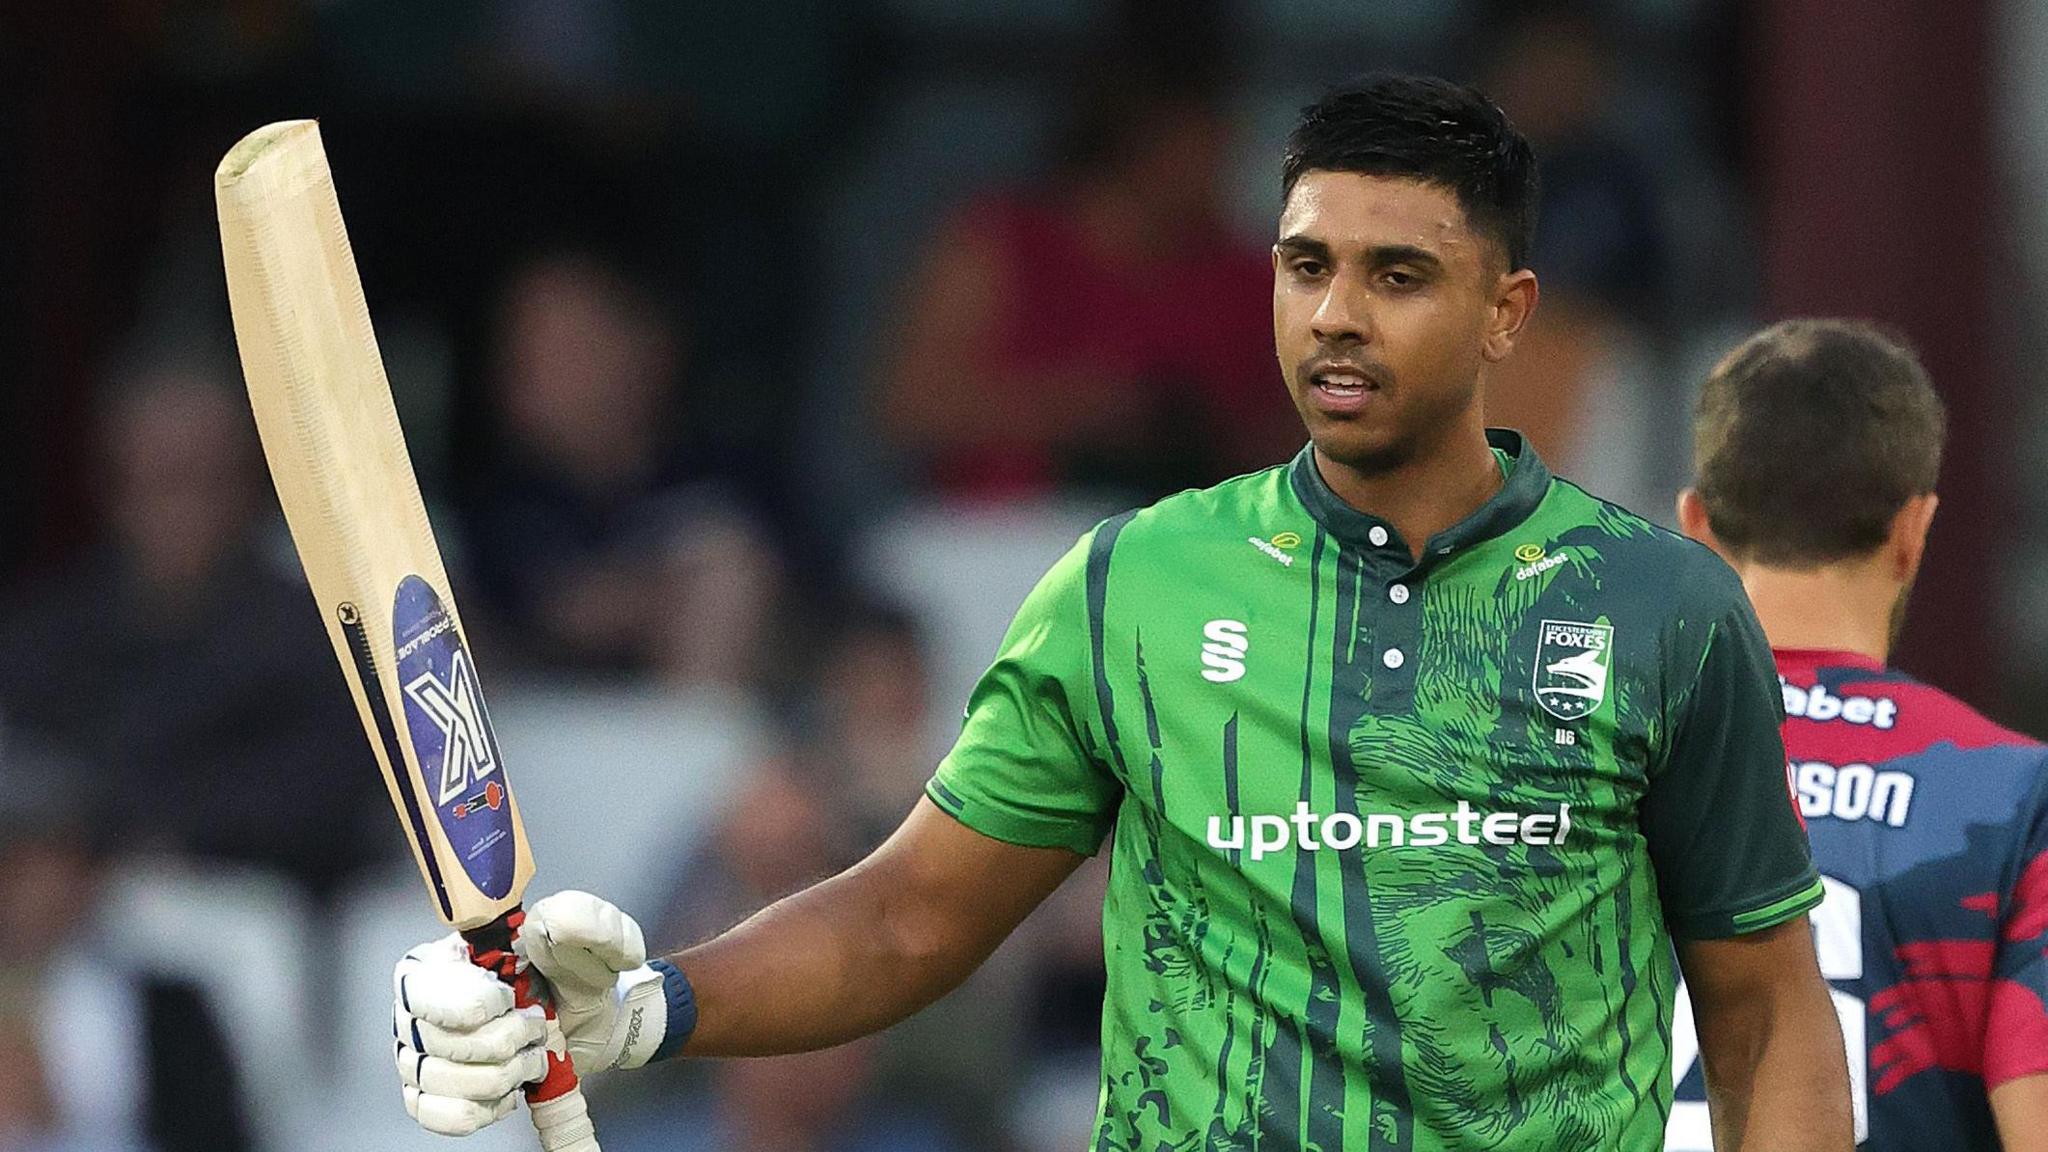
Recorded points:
1579,383
813,1102
719,619
185,666
795,823
1582,386
865,738
781,834
1105,328
1058,1097
1599,232
593,538
867,717
785,831
102,1055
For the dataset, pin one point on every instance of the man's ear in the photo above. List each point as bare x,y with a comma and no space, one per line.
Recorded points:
1692,520
1514,301
1906,544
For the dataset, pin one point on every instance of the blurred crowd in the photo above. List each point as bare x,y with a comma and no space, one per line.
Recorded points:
755,359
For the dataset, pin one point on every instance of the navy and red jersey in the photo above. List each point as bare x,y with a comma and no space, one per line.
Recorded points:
1929,825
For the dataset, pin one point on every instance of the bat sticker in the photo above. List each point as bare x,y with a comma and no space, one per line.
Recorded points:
492,797
451,736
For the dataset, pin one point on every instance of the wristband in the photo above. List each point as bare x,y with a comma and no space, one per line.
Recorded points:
682,1009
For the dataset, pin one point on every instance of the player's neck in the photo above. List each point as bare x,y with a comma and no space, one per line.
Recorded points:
1834,608
1427,494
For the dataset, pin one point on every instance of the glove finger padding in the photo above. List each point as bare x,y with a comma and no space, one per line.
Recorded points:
448,1116
451,993
483,1083
581,944
496,1041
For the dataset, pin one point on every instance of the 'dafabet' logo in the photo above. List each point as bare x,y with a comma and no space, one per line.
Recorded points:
1572,662
1278,547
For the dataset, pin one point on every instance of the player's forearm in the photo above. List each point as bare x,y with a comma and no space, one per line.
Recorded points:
834,962
2021,1109
1777,1077
870,946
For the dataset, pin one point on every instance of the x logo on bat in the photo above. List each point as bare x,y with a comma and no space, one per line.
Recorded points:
456,708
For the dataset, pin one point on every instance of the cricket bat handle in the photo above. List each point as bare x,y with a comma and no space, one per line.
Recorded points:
555,1102
563,1122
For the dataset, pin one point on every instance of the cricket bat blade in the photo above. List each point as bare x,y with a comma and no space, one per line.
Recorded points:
337,456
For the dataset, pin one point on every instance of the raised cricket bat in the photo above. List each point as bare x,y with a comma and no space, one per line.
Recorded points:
338,458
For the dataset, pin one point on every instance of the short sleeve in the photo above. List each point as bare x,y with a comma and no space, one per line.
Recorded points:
2016,1024
1728,844
1020,771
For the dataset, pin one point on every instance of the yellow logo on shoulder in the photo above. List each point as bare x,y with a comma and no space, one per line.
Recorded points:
1529,553
1286,540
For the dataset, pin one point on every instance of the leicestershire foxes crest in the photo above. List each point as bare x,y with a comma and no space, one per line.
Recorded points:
1572,660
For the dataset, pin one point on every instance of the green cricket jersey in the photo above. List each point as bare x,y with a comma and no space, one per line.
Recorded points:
1399,847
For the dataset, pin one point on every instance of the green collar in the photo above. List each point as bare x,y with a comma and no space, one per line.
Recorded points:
1527,482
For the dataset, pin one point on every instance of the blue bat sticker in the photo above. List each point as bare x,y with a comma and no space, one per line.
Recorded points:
452,737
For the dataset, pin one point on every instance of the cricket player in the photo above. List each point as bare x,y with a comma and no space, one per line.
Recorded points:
1817,446
1412,761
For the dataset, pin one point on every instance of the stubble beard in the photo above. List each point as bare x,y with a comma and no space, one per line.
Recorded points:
1408,437
1371,460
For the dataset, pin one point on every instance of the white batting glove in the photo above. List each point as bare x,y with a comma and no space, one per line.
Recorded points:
612,1005
463,1050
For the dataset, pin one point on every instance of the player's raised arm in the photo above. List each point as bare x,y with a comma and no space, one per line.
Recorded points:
870,946
1013,810
836,961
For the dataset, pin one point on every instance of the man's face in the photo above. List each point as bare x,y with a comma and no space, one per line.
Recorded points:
1383,301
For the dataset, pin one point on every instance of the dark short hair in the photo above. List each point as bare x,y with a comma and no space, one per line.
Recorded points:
1811,435
1431,130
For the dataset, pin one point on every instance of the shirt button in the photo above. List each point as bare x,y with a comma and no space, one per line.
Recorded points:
1393,659
1378,536
1398,593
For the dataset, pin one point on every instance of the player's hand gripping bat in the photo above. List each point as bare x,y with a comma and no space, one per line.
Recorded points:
331,434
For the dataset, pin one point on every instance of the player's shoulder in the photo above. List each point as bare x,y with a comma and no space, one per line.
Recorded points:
1162,538
1850,722
1255,502
1919,718
1690,577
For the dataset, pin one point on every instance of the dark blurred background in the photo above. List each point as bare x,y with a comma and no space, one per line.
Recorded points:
756,358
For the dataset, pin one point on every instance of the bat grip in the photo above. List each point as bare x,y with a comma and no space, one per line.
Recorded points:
555,1102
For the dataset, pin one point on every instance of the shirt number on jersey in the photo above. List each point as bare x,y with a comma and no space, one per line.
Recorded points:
1838,942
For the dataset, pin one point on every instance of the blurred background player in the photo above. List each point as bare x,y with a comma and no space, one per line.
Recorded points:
1818,443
